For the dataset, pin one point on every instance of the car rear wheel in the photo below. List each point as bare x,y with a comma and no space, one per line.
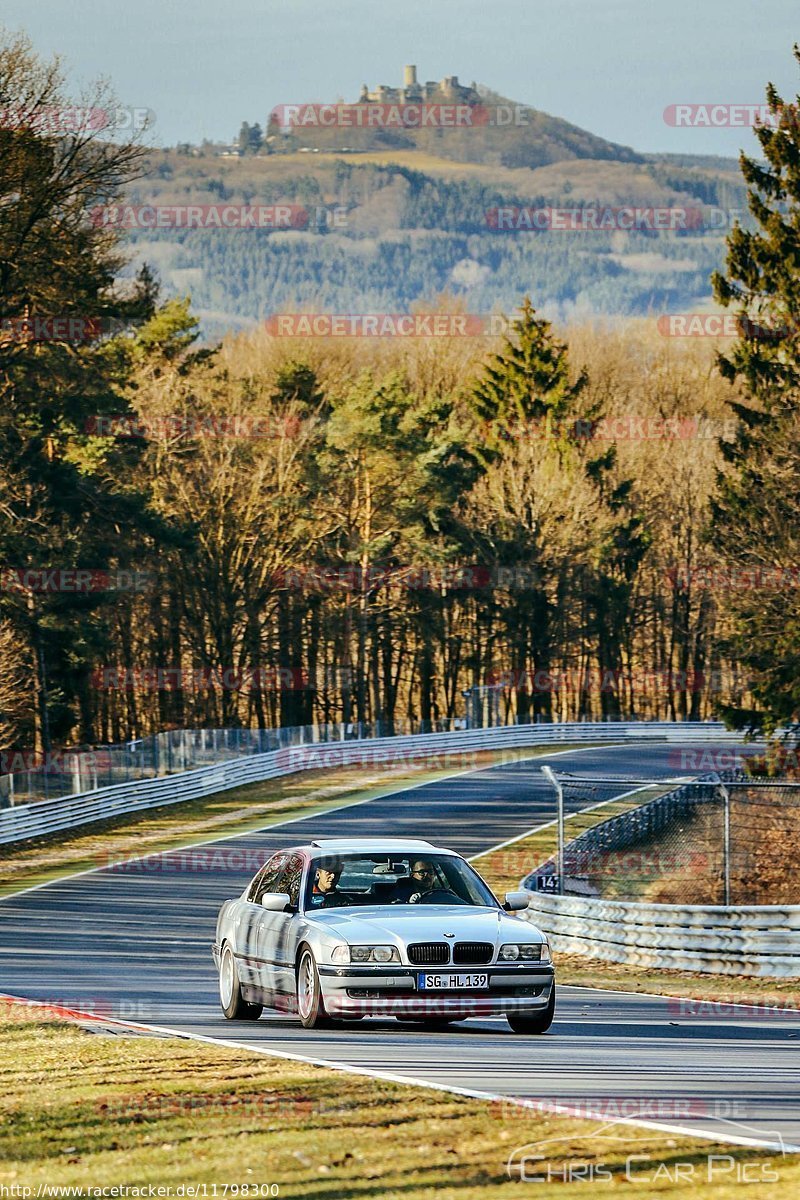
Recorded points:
534,1022
234,1005
310,1005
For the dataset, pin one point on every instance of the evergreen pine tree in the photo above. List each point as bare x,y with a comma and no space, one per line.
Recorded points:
755,515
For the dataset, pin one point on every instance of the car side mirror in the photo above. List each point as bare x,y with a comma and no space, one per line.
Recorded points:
516,901
276,901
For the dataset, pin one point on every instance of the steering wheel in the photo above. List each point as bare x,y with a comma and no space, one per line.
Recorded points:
439,896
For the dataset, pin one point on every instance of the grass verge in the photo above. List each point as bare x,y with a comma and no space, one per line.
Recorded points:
87,1111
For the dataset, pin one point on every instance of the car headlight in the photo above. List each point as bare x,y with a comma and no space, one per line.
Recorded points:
365,954
525,952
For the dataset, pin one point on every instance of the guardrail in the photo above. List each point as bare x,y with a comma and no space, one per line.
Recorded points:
743,940
32,778
52,816
29,778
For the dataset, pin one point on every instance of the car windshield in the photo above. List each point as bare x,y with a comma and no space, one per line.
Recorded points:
346,880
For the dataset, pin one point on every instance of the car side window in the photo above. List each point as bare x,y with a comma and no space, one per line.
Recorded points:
291,878
267,878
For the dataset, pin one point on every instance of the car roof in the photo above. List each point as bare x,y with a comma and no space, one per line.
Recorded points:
327,846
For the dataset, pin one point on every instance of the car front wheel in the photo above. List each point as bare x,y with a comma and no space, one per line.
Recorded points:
310,1005
534,1022
234,1005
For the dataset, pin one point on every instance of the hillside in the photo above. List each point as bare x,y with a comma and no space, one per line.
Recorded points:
389,226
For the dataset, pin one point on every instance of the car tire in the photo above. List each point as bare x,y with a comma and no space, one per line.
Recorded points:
534,1022
233,1003
310,1004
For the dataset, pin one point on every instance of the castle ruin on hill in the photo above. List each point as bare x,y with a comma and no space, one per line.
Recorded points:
447,91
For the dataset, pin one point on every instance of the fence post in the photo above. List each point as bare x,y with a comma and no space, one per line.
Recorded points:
548,774
726,840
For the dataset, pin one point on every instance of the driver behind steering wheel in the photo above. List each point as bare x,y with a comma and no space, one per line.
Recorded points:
420,883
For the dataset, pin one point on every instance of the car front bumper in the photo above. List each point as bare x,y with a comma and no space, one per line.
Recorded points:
360,991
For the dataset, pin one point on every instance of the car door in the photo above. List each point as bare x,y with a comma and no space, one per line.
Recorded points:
278,931
254,969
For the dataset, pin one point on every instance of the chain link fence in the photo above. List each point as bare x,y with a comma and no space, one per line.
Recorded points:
70,772
726,839
26,778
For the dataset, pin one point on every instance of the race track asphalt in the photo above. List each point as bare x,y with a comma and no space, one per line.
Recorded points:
133,943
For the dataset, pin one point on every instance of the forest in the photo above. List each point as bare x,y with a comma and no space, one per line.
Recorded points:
587,520
392,234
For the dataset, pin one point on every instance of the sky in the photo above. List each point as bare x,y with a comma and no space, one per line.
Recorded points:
609,66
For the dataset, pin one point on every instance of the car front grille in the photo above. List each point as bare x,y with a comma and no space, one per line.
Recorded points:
472,952
428,953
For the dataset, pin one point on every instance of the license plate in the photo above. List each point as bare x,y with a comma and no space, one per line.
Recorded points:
437,983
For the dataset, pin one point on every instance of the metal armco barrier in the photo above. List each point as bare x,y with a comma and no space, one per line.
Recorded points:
69,812
743,940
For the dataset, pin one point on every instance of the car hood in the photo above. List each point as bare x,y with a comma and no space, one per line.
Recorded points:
403,923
